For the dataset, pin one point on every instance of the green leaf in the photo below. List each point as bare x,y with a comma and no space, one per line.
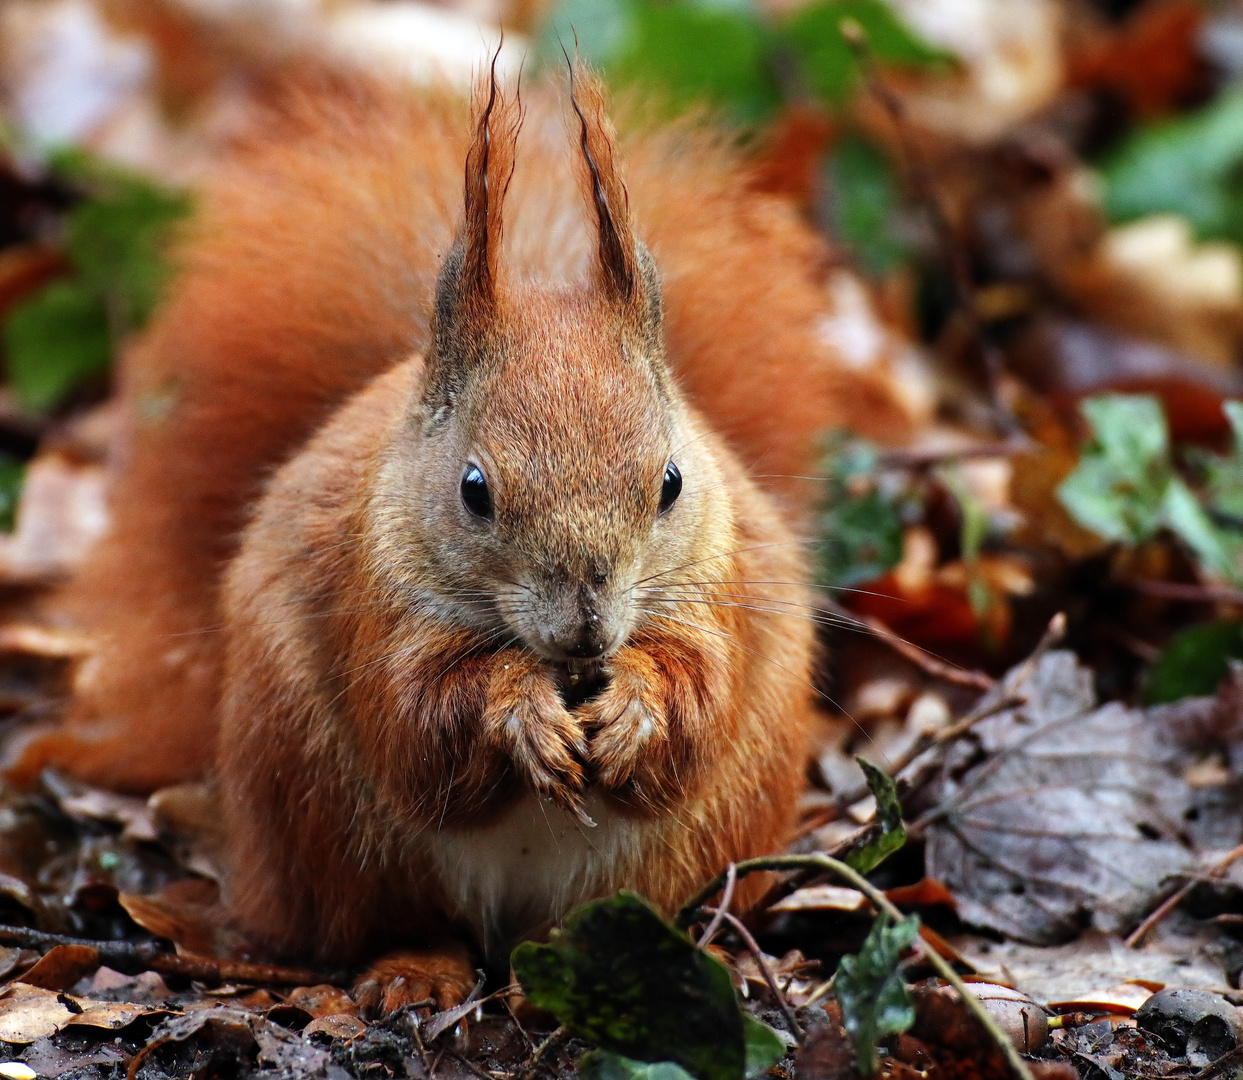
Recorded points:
1118,489
53,340
1194,661
861,523
1220,551
764,1046
830,64
863,204
698,54
1188,166
116,241
12,477
872,993
890,832
1224,474
619,976
606,1065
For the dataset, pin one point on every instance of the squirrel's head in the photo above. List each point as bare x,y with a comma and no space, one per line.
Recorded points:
557,465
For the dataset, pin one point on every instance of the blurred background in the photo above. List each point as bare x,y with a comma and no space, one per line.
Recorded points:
1032,213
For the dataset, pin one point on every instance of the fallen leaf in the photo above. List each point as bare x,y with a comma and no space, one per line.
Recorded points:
822,898
1071,816
1122,998
1095,963
338,1026
62,966
114,1015
28,1013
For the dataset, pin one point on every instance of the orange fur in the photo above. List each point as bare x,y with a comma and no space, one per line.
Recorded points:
382,739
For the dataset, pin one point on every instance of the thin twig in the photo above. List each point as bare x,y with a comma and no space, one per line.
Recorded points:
552,1042
518,1024
132,957
943,968
933,665
760,962
470,1066
731,879
1172,901
1053,635
820,991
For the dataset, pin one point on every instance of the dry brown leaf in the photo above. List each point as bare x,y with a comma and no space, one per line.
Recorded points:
339,1026
28,1013
62,966
114,1015
62,512
822,898
1095,963
1071,814
322,1000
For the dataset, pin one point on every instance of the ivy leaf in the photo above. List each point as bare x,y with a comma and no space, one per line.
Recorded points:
863,204
1187,166
116,241
54,340
889,833
830,65
763,1044
1125,487
1118,489
1224,475
873,995
619,976
861,523
1194,661
699,53
12,477
606,1065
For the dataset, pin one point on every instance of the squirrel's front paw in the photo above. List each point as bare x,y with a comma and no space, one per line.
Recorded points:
629,728
527,718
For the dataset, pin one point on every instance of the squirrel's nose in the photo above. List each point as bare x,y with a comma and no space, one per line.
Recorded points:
589,644
587,638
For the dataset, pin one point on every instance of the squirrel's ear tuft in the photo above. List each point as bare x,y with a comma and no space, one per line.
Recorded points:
627,272
466,288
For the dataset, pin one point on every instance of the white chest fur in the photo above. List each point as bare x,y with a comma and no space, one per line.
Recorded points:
528,869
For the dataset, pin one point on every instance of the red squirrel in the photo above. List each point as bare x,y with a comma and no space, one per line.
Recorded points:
459,535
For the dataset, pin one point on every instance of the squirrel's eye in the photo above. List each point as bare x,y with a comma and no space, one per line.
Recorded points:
475,494
671,488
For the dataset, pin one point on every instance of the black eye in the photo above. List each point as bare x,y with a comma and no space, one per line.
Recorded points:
475,494
671,488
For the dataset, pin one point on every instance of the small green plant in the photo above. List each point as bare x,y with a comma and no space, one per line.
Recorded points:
871,990
622,978
1126,487
116,240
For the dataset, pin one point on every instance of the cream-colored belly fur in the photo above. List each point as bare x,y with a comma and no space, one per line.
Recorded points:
515,877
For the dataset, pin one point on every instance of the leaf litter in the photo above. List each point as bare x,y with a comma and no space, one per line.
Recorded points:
1066,344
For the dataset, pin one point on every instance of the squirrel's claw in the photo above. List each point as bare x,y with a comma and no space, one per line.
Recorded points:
630,727
541,738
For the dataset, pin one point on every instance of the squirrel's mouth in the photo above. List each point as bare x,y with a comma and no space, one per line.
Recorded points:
578,681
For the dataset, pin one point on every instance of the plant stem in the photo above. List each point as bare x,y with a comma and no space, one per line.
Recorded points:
824,863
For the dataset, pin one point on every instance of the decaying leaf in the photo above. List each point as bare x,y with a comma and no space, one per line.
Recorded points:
28,1013
1071,816
61,967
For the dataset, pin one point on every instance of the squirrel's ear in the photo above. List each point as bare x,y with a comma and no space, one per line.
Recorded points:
626,269
466,288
